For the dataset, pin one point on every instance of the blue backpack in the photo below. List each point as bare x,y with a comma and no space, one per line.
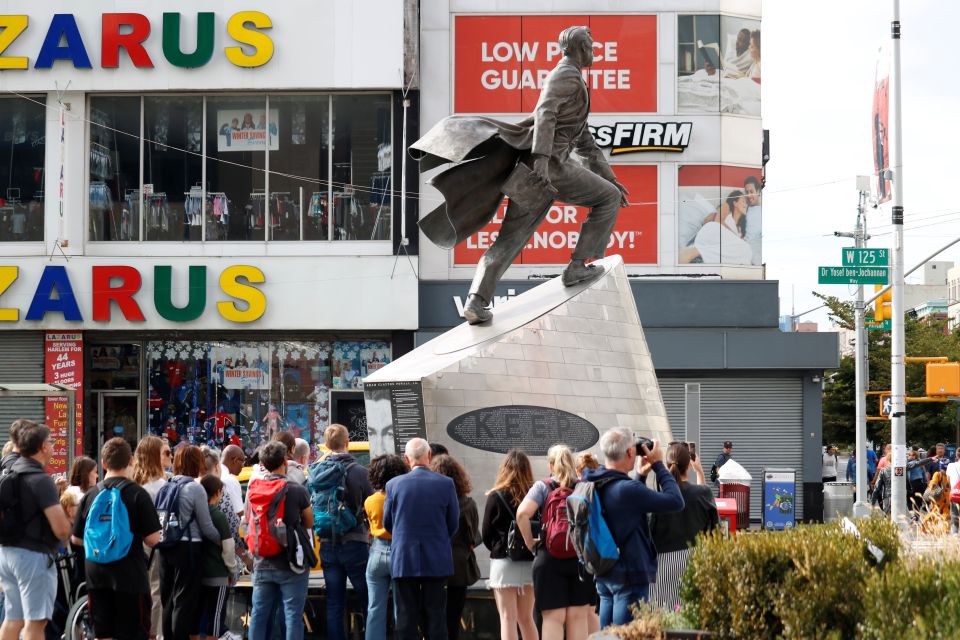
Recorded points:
327,483
168,510
107,536
589,533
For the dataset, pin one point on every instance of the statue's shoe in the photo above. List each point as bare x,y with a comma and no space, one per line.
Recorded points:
575,274
474,311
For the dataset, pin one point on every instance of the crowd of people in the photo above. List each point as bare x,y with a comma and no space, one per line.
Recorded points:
165,534
932,483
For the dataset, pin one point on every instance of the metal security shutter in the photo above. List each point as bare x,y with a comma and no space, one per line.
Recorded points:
21,360
763,417
673,401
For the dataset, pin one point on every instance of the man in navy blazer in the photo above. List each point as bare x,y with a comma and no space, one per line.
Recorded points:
421,512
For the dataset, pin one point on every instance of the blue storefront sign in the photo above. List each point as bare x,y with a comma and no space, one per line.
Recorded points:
779,499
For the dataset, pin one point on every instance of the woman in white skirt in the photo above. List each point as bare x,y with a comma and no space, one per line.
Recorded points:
674,533
510,580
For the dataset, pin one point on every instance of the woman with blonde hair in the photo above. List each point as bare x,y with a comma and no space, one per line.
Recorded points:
510,579
562,597
149,459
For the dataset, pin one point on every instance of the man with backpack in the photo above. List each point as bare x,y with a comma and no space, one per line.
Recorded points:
626,504
32,526
275,508
338,487
116,517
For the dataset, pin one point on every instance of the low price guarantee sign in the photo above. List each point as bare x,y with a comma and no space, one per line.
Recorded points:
501,62
634,235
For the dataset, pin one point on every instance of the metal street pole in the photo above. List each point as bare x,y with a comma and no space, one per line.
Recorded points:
898,414
861,506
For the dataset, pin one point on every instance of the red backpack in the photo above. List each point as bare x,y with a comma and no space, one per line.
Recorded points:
266,531
556,525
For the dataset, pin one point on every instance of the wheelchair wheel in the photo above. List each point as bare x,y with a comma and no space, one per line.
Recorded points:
79,626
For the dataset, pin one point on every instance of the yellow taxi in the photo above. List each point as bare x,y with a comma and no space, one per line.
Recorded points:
359,450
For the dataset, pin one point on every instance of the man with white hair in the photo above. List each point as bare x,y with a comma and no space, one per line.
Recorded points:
421,513
626,504
301,452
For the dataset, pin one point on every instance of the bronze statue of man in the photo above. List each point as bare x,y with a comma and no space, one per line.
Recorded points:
487,153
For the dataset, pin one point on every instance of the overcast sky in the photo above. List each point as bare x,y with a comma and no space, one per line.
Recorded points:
819,63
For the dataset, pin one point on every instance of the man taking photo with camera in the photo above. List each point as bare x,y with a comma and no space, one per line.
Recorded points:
626,504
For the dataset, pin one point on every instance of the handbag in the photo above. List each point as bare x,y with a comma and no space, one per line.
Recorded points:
516,548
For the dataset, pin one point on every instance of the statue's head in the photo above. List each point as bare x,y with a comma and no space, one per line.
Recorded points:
577,43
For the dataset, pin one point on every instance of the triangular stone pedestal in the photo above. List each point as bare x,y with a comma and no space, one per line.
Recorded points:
556,364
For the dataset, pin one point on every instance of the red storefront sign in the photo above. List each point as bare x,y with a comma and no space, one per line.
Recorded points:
501,62
634,235
63,364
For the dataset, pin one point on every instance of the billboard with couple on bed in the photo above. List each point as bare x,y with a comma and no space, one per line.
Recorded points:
719,216
718,65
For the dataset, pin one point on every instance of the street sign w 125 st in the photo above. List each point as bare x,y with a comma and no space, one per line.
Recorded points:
862,257
853,275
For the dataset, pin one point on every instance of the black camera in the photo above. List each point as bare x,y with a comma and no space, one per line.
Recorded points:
643,442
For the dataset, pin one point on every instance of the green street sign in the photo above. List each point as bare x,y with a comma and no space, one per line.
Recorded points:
852,275
856,257
883,325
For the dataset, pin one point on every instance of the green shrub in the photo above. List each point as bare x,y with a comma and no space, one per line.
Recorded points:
805,583
913,602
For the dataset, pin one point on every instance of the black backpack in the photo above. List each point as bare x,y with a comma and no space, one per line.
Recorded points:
13,520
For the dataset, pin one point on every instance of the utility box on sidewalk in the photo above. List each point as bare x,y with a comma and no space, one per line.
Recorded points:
779,497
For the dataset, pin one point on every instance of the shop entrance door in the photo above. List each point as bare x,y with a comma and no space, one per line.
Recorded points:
118,414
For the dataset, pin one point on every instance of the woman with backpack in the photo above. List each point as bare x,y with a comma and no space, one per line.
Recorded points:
511,566
185,521
562,597
465,568
674,533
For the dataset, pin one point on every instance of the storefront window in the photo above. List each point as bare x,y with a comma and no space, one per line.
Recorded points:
114,367
173,168
236,164
22,135
362,159
242,393
206,177
114,168
299,167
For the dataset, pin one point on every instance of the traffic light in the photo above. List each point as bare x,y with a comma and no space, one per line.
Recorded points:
882,306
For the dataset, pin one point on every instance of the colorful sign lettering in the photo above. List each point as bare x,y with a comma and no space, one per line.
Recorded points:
129,31
115,288
501,62
634,235
63,364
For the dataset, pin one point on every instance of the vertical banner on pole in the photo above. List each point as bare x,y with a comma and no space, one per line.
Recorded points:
63,364
880,124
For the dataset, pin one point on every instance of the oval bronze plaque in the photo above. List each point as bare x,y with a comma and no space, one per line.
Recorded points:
533,429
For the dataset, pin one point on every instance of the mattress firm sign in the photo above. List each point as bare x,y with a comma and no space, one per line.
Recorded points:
209,44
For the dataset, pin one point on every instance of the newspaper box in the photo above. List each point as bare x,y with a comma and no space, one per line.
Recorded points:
779,498
727,508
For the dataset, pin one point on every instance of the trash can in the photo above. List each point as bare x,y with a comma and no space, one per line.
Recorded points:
739,490
837,500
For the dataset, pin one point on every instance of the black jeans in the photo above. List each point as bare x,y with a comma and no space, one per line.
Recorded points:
456,600
414,594
180,577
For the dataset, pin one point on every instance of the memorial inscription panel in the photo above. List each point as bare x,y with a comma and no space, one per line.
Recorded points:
533,429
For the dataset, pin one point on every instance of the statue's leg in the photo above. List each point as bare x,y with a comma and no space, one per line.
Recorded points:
584,188
514,234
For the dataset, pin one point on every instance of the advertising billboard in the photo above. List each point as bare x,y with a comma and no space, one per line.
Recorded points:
501,62
880,124
634,235
718,65
719,215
